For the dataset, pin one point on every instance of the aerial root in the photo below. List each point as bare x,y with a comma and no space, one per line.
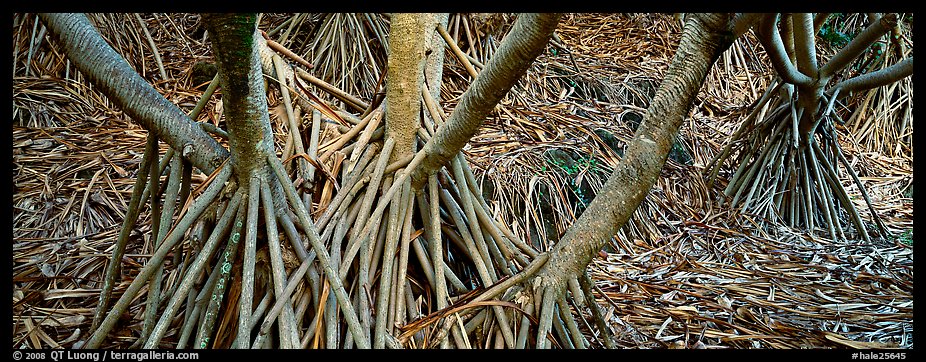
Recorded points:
131,216
383,246
378,252
782,175
174,236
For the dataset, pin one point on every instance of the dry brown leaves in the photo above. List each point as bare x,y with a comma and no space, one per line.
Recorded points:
681,274
689,283
75,157
709,286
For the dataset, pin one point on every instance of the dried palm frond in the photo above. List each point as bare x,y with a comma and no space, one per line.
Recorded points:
682,273
712,286
883,117
348,50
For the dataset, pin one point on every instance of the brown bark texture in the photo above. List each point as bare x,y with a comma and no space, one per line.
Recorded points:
403,81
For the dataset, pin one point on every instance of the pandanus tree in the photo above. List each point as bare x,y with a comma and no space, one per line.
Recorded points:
786,150
404,252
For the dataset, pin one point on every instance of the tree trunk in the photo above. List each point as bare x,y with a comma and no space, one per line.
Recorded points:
246,115
403,81
798,160
704,39
251,140
113,76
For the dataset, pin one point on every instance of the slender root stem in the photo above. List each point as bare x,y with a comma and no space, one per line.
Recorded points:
113,268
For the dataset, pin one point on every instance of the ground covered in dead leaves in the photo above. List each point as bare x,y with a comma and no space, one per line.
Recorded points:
684,273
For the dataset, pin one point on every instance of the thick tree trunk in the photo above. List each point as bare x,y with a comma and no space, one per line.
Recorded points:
403,81
113,76
251,140
705,37
246,115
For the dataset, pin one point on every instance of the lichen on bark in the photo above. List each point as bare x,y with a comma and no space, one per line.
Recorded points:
241,76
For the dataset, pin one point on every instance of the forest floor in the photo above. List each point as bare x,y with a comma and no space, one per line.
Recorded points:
687,271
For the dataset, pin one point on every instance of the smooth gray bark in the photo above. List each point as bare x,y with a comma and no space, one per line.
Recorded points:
526,40
704,39
874,79
434,45
858,45
115,78
774,46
